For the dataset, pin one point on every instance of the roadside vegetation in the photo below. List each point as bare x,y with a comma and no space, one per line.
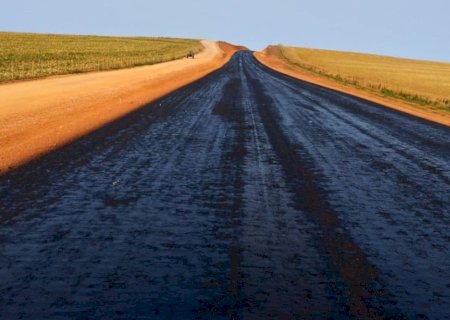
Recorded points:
28,56
422,83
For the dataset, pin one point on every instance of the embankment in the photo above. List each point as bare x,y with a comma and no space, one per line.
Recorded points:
271,59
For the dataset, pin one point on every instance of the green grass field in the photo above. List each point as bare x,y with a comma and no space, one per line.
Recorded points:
29,56
422,83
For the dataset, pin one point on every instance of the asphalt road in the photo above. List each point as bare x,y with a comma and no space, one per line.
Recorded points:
244,195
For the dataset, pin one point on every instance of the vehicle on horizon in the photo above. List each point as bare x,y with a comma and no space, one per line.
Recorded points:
190,55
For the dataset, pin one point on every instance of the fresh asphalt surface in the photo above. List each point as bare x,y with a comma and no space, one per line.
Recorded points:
244,195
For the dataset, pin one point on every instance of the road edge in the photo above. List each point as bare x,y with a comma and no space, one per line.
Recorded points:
21,145
275,63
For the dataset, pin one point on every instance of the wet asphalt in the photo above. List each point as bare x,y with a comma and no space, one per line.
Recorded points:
245,195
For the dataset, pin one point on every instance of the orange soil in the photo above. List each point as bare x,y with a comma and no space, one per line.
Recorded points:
270,58
42,115
231,48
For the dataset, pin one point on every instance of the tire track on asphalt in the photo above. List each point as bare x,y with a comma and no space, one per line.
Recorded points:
364,289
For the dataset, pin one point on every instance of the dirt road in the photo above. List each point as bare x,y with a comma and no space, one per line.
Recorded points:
244,195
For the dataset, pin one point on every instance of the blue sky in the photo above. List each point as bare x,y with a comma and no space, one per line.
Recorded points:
407,28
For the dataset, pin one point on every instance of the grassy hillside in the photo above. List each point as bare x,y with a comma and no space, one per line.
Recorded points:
27,56
422,83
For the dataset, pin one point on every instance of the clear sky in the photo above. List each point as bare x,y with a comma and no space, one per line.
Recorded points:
407,28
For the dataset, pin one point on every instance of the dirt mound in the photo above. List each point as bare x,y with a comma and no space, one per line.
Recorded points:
229,48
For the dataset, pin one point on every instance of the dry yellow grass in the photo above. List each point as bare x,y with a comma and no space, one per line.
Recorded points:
425,84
